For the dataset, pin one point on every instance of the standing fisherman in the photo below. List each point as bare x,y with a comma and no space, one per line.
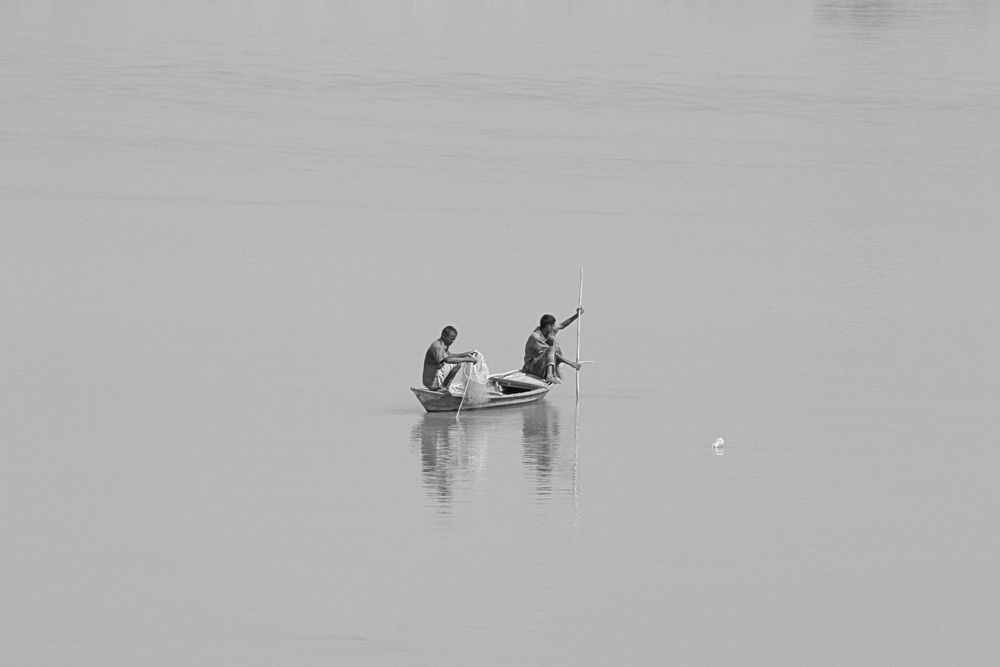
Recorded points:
542,354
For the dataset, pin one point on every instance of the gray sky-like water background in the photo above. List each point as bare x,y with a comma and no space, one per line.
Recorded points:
229,231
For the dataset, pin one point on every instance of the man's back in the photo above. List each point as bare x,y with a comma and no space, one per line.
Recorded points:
433,360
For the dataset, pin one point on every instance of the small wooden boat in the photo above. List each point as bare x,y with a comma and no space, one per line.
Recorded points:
503,389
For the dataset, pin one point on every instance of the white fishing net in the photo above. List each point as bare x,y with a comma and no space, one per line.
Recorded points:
472,382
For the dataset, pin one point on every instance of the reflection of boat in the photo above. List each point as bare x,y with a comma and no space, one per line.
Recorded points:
451,452
511,388
453,455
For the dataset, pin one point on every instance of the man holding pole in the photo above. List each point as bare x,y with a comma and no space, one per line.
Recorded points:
542,354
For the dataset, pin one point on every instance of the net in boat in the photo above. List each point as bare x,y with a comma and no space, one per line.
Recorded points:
472,382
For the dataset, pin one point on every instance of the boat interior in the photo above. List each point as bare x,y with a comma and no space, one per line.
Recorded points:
515,382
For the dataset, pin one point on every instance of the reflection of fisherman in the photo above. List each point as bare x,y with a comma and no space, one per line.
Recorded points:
542,354
540,438
436,455
453,455
440,365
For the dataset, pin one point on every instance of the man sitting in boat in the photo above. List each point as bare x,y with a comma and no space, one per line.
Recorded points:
440,365
542,354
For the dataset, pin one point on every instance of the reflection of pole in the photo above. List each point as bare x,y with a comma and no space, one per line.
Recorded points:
576,465
579,323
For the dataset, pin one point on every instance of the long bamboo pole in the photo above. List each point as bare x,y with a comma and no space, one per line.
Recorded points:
579,324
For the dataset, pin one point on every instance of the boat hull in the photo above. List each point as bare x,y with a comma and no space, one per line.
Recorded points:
506,390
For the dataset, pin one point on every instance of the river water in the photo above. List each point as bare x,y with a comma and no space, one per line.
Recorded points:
229,231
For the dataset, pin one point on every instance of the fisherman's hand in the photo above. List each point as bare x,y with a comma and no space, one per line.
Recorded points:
579,311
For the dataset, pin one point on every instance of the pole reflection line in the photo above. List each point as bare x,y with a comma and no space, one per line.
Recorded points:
576,465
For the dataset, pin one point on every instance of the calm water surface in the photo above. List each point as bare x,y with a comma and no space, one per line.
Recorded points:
229,230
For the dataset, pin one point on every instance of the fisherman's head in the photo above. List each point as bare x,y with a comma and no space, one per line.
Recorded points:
448,335
547,324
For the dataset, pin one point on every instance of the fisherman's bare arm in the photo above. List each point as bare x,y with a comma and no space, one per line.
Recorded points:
572,318
464,357
569,362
